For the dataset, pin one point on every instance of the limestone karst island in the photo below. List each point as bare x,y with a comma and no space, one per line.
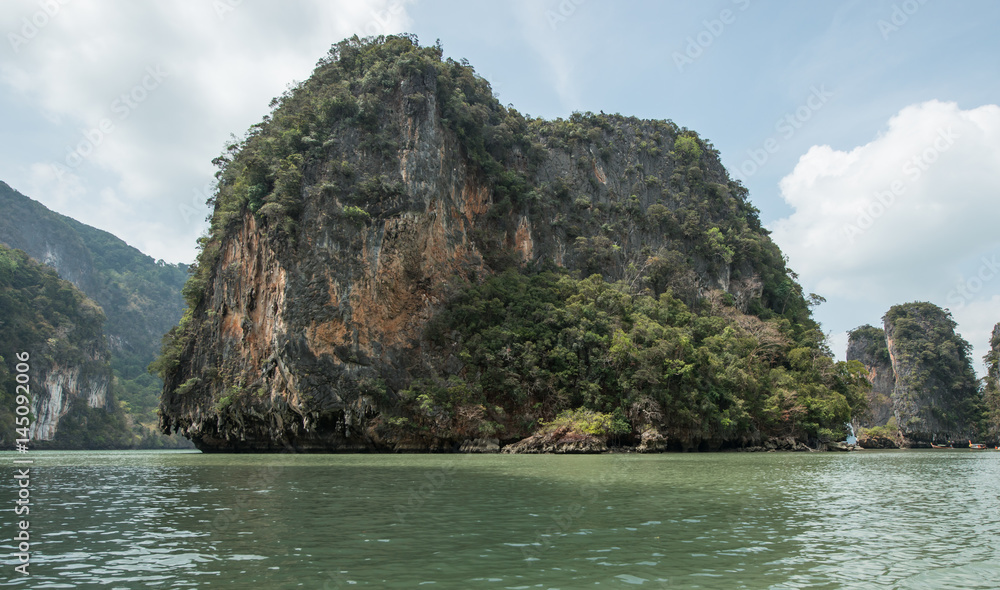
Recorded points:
397,262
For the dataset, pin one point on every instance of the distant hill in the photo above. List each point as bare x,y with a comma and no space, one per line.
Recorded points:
68,364
140,296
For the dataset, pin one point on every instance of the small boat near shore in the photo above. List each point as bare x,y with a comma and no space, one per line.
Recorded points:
971,445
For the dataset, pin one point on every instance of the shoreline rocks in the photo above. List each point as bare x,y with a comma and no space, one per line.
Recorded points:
839,446
877,442
562,440
652,441
480,445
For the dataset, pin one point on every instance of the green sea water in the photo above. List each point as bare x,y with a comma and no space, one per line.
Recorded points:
872,519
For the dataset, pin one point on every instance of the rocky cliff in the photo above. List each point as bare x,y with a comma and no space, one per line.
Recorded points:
867,345
140,297
991,390
935,396
70,372
398,262
923,384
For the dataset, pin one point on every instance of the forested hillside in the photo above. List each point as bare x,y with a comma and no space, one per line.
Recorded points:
70,376
140,297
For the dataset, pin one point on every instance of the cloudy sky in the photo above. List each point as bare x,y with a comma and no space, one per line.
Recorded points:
868,132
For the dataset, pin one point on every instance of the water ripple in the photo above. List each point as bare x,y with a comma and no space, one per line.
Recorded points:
896,520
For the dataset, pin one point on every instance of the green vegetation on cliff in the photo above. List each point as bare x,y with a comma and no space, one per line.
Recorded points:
536,344
140,297
875,348
343,107
143,299
611,267
7,398
923,387
62,331
936,387
37,305
867,345
991,389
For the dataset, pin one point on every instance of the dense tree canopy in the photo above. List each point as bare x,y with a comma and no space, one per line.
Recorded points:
59,327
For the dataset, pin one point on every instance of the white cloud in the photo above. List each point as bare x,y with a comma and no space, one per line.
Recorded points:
62,188
219,63
909,216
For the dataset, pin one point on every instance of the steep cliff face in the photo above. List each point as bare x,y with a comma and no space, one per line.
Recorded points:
867,344
934,396
70,373
62,386
140,297
387,189
991,390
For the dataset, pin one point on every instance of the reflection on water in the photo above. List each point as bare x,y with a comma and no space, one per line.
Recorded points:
870,519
